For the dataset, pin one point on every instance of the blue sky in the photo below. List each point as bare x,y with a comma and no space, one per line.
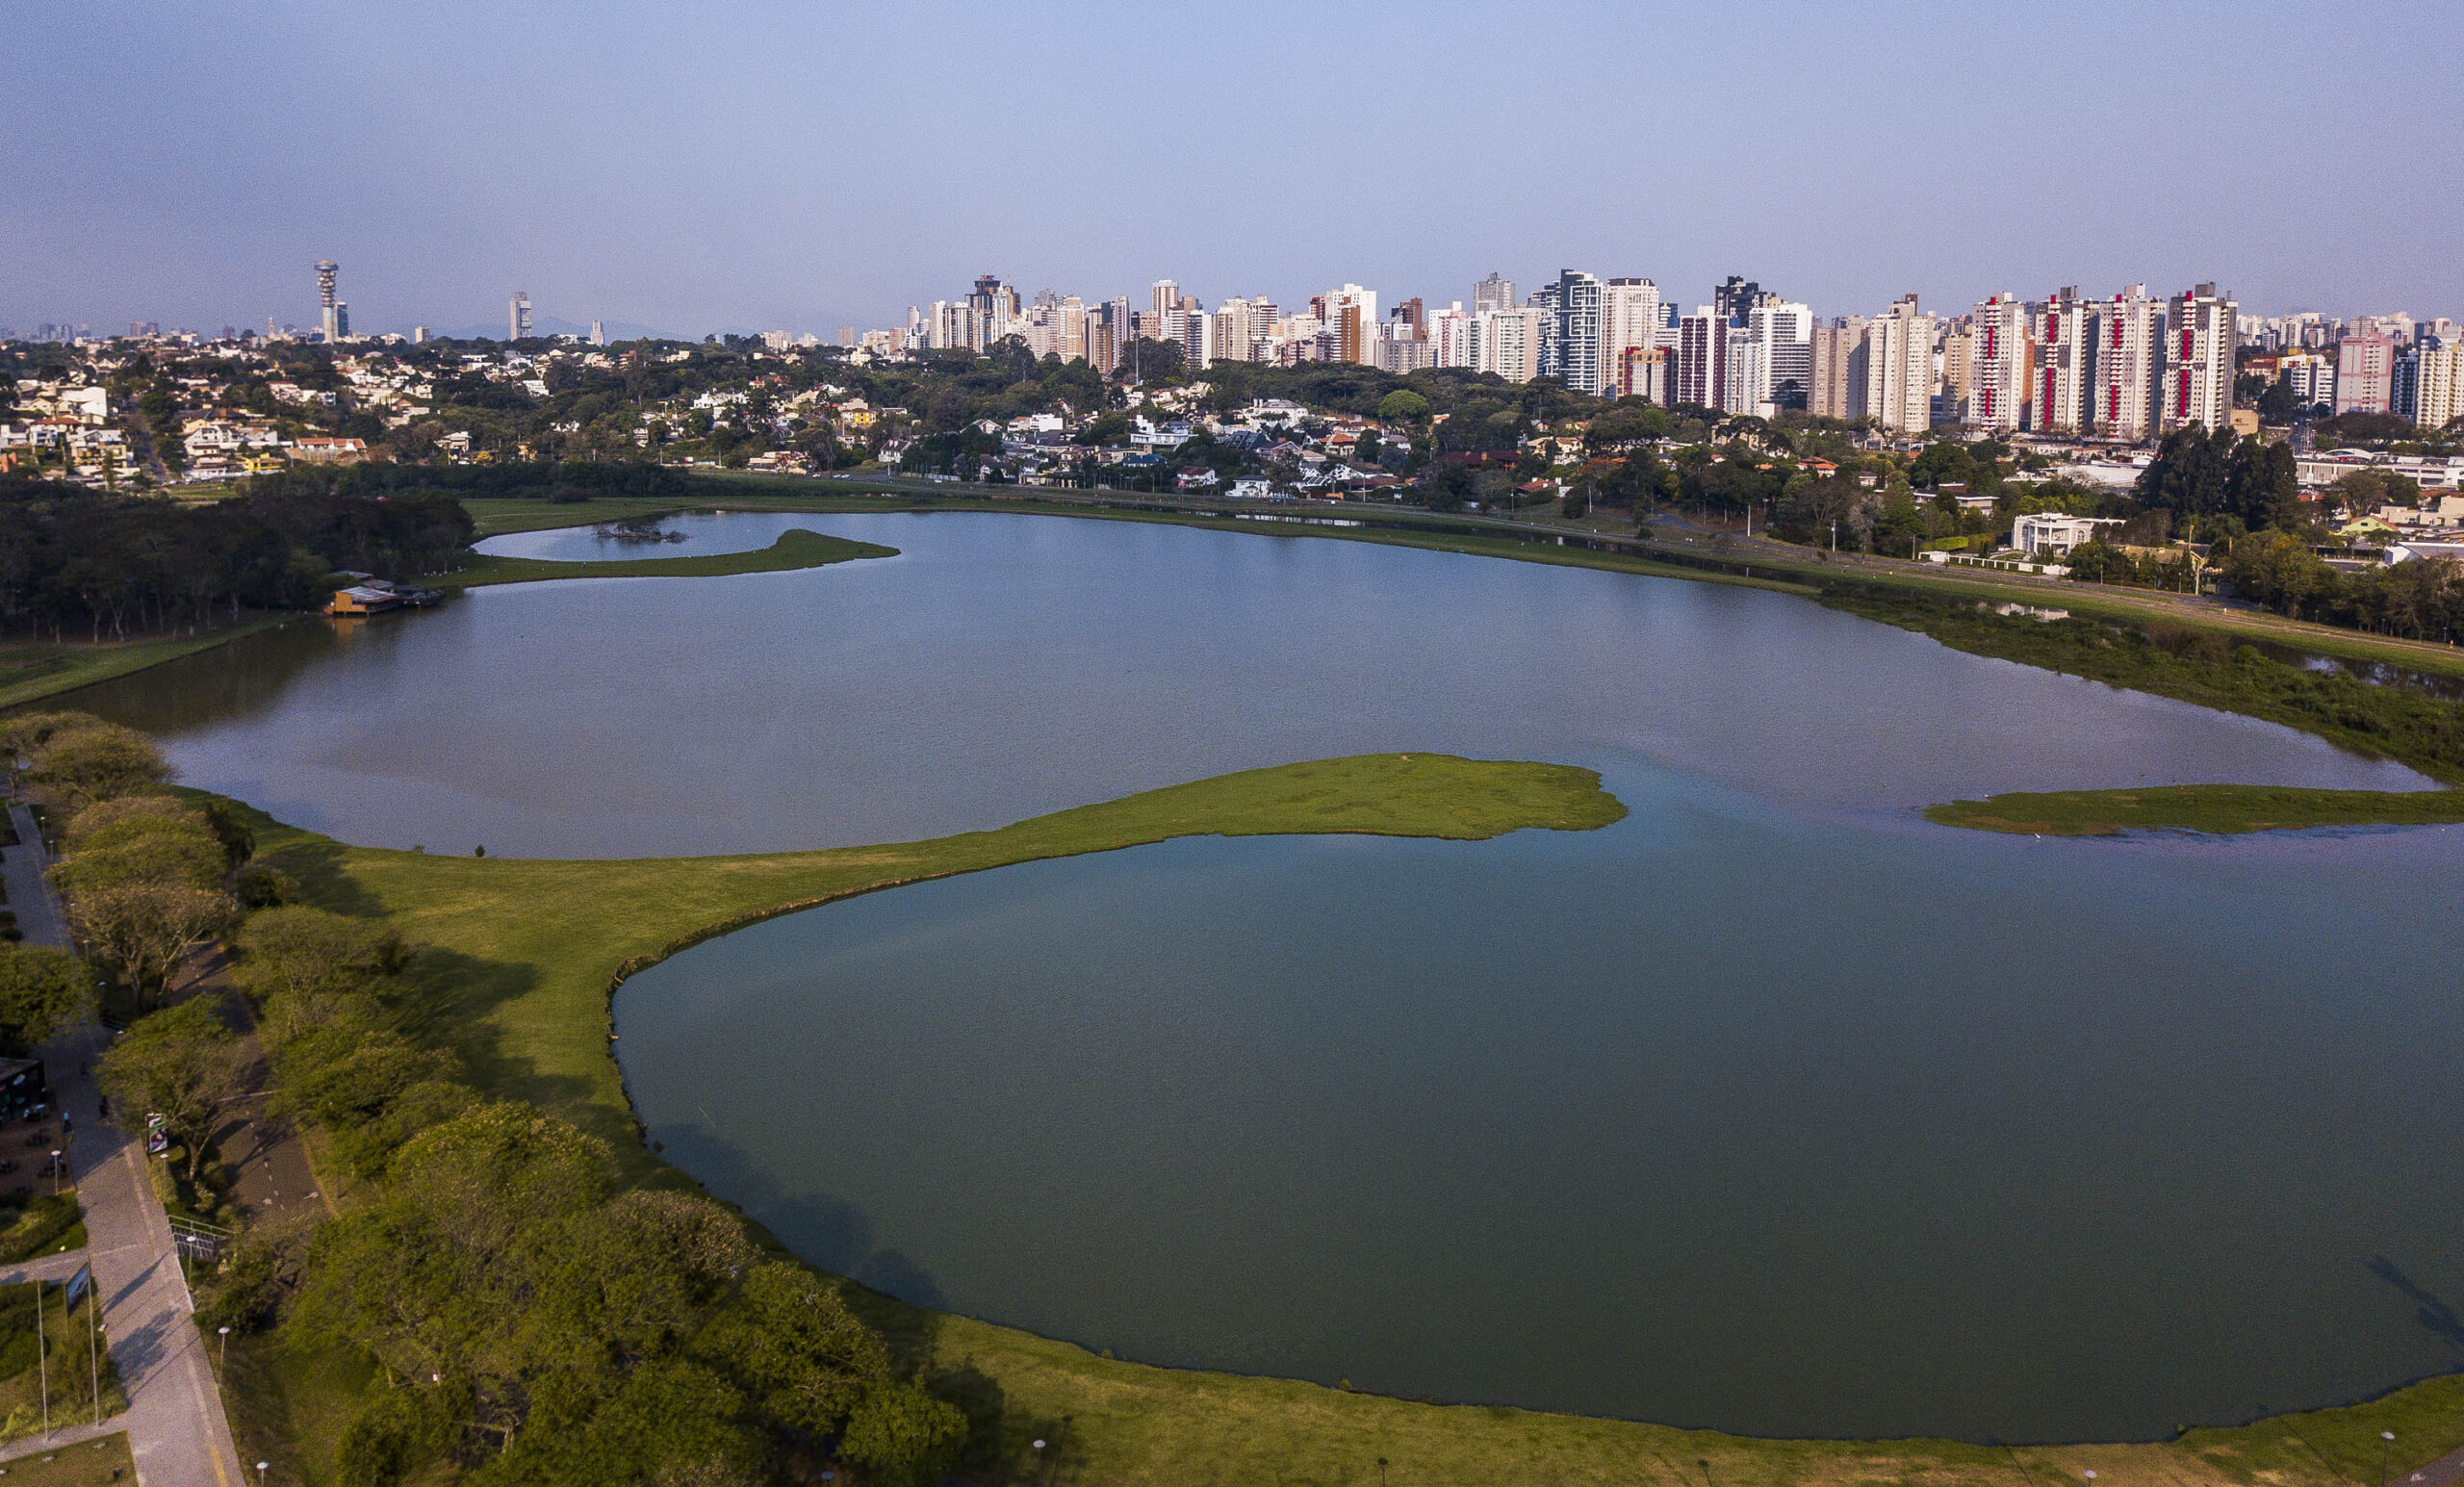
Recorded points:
807,165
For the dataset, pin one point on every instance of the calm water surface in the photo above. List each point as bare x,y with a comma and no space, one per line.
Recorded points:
1769,1108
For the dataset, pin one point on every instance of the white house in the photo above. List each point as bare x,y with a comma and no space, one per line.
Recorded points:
2052,534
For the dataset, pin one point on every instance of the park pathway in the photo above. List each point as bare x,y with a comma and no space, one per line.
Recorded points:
175,1424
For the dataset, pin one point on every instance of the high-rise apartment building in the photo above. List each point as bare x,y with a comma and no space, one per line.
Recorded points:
1579,361
1998,364
1734,297
1507,343
1450,334
1701,350
991,311
2066,380
1642,371
2198,371
1745,372
518,315
2310,376
1630,317
1899,367
1351,314
2365,373
1491,294
1163,297
1781,333
1242,327
1836,376
2130,364
2439,383
1950,372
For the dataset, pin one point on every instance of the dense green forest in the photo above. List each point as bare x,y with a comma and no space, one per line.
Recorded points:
74,560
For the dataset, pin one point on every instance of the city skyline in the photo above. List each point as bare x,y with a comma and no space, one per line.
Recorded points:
1865,157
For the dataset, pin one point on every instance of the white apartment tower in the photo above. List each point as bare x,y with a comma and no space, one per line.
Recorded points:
2198,381
2439,390
1580,357
518,314
1449,331
1780,333
1899,367
2130,357
2066,378
1630,321
1507,343
1352,313
1997,364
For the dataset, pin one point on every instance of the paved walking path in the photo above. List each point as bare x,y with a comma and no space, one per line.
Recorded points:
175,1424
2438,1474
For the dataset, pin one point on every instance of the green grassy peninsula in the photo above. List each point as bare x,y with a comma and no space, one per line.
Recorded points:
2223,810
520,955
796,547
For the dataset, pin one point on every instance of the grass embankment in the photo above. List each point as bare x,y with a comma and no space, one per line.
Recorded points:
517,962
2223,810
31,672
795,549
87,1464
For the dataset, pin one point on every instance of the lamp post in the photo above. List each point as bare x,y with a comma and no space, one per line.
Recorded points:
224,1356
55,1174
261,1472
1039,1460
2386,1437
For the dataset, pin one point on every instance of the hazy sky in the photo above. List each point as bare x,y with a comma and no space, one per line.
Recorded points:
693,165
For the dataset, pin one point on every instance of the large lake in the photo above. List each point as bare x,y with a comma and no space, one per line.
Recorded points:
1770,1108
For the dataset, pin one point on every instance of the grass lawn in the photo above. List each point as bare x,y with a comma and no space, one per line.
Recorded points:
794,549
84,1465
517,962
32,671
2221,808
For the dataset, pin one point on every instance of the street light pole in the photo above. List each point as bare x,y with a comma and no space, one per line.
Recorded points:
2385,1437
222,1360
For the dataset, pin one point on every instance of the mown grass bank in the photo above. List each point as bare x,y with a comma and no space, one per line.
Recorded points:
2222,810
795,549
33,671
517,960
86,1464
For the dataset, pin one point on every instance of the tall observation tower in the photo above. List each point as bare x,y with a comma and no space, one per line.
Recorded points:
337,320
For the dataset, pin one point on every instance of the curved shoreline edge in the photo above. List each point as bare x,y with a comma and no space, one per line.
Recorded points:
519,959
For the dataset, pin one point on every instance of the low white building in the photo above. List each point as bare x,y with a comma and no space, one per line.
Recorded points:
2052,534
2401,551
